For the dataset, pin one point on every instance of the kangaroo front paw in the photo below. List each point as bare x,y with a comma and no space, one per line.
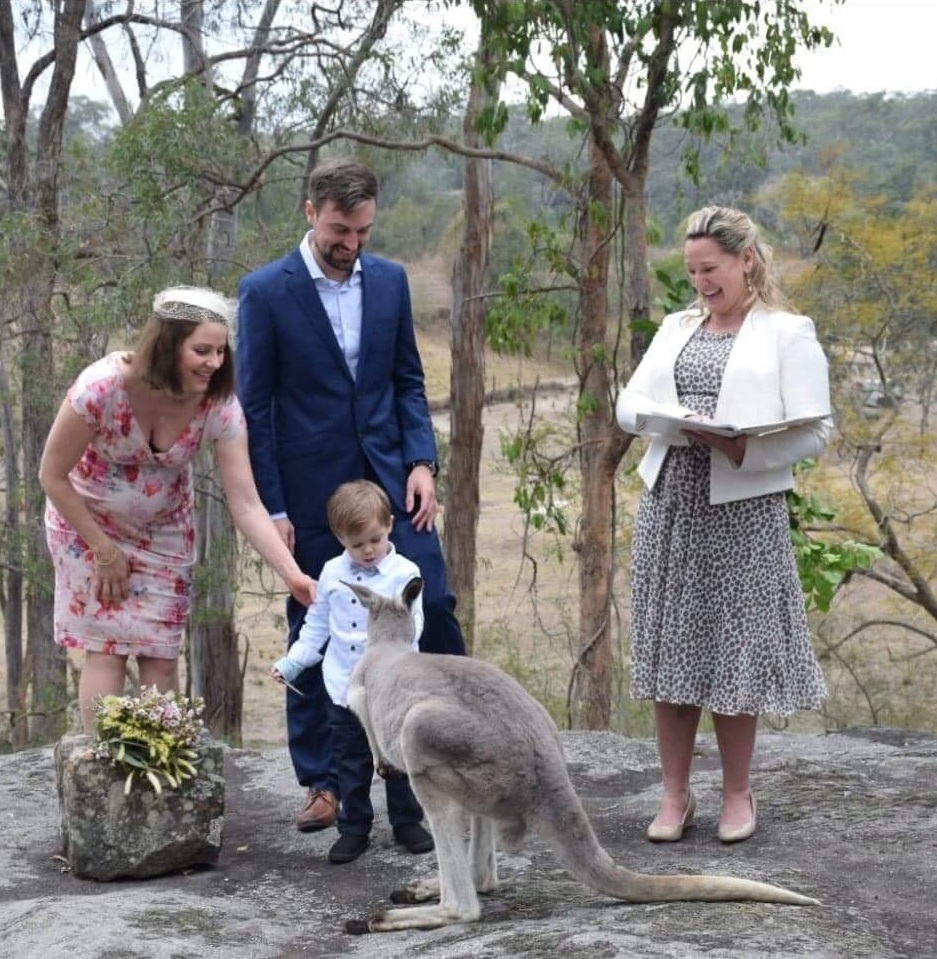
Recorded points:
386,771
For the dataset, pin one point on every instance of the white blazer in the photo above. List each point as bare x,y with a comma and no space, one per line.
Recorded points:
776,371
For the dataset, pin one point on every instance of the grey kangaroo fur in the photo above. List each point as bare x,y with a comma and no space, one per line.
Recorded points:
479,749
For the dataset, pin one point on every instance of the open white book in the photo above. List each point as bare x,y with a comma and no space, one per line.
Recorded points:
668,424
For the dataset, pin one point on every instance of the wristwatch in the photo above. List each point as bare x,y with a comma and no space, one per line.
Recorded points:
431,464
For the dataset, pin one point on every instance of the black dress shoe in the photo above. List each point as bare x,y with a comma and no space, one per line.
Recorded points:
414,838
347,849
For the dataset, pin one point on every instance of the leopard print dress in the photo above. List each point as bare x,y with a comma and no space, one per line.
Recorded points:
718,617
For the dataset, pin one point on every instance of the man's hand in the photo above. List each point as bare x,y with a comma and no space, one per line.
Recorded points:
421,496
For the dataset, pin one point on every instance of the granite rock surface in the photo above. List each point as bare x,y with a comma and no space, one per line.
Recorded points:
849,818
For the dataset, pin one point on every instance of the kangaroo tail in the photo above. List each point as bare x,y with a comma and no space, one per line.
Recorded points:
572,836
644,888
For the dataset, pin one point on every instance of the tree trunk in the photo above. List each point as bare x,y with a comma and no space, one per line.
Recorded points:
467,343
212,648
11,579
597,471
214,664
215,671
15,110
47,661
105,65
603,444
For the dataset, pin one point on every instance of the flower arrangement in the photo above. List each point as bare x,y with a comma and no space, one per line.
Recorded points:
154,734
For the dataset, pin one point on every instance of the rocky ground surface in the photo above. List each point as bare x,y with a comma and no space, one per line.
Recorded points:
849,818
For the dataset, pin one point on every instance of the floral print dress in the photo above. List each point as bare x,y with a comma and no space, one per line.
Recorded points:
144,500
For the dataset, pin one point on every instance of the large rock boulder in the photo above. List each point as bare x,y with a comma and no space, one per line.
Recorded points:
109,835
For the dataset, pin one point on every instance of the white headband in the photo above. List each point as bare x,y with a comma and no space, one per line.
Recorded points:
194,304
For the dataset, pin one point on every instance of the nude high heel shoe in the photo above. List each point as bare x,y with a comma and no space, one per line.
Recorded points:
740,833
659,833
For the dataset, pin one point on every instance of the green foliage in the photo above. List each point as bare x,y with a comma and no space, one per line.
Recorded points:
541,479
824,564
533,302
675,290
153,735
492,119
172,159
745,51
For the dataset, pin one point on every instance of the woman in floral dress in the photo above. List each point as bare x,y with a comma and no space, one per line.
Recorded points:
718,617
117,472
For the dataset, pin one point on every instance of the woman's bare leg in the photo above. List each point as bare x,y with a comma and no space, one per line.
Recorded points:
161,673
103,674
676,737
736,738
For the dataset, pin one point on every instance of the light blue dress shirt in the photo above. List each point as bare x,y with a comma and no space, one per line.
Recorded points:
342,303
338,619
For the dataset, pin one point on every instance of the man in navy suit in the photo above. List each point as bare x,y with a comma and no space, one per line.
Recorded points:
332,385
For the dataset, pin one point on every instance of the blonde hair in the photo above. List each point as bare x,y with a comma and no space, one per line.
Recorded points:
735,232
355,505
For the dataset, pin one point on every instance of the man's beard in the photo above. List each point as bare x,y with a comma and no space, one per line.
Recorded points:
337,259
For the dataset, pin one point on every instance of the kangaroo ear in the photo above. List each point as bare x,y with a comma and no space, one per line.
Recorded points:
365,595
412,590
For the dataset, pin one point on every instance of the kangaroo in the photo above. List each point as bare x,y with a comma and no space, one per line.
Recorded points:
478,748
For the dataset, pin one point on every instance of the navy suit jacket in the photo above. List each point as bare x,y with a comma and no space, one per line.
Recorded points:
311,426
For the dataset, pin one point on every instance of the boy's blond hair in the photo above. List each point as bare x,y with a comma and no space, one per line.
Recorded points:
355,505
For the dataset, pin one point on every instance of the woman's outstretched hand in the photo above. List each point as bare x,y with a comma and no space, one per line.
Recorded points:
303,589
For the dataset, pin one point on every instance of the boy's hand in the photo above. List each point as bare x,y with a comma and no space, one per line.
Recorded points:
275,673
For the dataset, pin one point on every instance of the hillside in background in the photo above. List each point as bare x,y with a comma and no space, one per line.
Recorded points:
888,143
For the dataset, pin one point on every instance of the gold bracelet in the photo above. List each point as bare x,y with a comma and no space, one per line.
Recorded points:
107,562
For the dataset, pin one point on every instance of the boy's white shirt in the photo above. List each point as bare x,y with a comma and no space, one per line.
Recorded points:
776,371
338,619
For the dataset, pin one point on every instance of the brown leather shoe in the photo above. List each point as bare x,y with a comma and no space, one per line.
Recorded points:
319,812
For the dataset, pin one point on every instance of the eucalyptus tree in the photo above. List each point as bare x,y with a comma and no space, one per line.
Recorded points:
467,343
867,283
31,225
618,70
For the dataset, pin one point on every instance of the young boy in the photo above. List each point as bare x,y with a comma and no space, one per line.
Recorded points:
334,633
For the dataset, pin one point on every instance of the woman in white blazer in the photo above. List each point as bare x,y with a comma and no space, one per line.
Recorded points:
718,617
